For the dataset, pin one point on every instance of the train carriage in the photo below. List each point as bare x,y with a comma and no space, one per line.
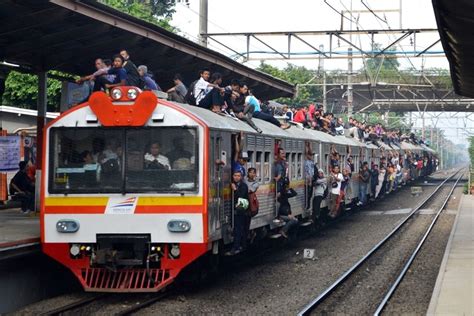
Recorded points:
124,223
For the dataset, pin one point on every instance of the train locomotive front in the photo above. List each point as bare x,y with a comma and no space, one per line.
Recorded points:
123,190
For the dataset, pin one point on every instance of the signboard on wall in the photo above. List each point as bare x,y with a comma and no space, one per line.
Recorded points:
9,152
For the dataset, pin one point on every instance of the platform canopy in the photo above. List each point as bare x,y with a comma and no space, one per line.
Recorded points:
67,35
455,19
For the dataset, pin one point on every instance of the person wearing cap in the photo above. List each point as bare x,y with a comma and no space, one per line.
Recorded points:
239,163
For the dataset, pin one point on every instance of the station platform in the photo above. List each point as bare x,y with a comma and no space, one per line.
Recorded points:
19,233
453,293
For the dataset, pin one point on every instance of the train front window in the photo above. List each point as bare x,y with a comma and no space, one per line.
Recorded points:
86,160
162,160
100,160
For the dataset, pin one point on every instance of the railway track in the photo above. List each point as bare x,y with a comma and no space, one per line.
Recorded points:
334,287
83,305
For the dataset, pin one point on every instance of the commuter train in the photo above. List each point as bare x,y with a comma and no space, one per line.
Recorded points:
121,225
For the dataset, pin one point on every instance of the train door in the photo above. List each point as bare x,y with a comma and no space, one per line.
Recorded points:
218,163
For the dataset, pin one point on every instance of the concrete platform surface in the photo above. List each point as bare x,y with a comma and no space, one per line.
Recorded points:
17,229
453,293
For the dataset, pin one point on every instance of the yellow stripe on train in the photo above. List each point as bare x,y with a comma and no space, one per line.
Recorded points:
142,201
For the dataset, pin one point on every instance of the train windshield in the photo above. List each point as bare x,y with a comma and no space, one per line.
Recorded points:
135,160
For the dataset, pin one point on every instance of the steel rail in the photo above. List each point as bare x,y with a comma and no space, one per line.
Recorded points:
400,277
142,305
318,300
72,306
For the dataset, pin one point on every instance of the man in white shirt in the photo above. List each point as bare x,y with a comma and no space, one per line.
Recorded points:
201,85
155,160
335,180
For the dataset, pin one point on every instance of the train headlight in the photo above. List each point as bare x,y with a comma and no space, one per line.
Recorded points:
67,226
116,94
132,94
74,250
179,226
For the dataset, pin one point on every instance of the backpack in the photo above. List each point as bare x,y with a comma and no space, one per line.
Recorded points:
326,192
253,204
190,98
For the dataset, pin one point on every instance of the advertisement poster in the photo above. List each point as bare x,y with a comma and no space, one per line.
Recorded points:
9,152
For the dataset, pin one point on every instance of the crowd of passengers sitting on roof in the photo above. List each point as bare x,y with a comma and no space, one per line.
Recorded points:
236,101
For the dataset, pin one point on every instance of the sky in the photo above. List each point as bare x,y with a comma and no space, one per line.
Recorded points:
227,16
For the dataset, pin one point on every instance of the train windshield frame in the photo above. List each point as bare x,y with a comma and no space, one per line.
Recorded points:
95,160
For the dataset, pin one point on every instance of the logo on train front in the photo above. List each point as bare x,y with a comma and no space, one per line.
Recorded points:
119,205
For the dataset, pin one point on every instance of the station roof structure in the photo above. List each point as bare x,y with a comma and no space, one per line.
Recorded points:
398,98
455,24
68,35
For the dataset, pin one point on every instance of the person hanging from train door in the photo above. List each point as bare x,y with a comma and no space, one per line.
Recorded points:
364,177
308,175
335,180
320,184
342,194
240,157
252,184
281,170
240,193
284,210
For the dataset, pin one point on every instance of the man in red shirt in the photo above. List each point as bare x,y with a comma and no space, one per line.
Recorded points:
300,116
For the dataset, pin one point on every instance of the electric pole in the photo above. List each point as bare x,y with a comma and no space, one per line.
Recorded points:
203,10
349,83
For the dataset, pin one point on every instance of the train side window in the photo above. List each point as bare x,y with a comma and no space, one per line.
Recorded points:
328,163
299,166
266,167
251,161
294,165
258,165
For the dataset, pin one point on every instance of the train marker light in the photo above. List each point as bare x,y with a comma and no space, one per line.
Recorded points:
132,94
74,250
116,94
179,226
175,251
67,226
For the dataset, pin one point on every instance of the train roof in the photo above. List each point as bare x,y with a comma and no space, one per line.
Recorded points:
216,121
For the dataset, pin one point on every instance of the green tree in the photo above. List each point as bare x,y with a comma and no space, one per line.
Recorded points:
21,90
158,12
295,75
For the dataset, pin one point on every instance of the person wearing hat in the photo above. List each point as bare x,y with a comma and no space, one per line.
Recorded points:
240,193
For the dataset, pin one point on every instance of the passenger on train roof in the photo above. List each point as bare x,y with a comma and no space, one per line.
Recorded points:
213,94
149,83
133,77
178,92
119,72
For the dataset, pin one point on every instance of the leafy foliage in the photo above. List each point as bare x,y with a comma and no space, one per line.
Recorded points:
295,75
158,12
21,90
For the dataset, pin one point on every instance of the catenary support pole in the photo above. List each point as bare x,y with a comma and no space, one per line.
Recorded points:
40,121
203,11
